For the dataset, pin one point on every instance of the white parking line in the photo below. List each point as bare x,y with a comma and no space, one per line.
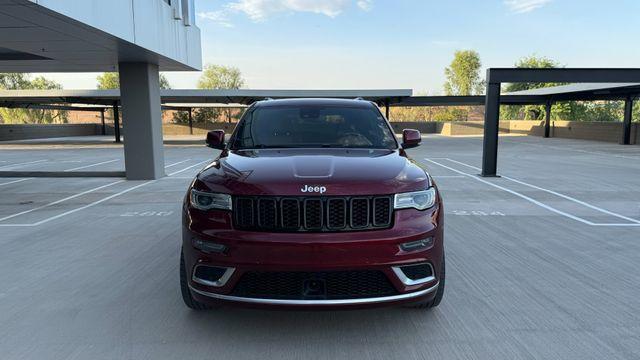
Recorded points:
538,203
190,167
92,165
575,150
20,164
93,203
178,163
15,181
88,205
599,209
60,201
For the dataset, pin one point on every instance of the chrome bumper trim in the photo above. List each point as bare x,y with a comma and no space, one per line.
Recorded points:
318,302
405,280
220,283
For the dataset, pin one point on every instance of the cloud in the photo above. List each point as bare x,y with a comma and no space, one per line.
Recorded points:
259,10
220,17
525,6
365,5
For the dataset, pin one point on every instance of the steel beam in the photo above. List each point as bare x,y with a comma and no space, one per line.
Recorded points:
386,107
628,117
563,75
547,119
474,100
491,130
104,126
116,121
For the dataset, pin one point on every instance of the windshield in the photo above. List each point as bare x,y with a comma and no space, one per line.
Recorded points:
314,126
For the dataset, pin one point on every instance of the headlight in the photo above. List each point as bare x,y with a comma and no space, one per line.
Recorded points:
420,200
205,200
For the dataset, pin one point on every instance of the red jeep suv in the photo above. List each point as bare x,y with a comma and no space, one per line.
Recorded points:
312,204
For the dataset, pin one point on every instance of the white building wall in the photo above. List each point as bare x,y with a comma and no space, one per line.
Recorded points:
150,24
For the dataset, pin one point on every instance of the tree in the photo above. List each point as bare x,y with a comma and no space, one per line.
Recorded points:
533,62
21,81
220,77
531,112
463,75
14,81
215,77
111,80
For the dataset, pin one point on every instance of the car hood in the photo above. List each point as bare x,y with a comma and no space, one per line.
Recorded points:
286,172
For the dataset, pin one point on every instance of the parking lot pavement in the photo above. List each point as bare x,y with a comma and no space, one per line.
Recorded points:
542,264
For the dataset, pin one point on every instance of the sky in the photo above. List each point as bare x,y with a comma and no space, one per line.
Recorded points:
399,44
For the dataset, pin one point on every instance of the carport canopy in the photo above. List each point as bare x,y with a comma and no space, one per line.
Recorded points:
587,86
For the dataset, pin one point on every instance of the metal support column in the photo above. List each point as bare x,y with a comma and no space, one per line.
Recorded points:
547,119
628,117
491,130
190,121
116,121
104,126
386,107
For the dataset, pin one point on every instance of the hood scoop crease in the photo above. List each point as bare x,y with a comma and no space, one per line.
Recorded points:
310,167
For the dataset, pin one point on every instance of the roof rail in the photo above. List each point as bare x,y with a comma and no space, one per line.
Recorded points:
267,99
359,98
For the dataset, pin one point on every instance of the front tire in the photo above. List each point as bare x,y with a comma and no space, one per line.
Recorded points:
186,293
439,293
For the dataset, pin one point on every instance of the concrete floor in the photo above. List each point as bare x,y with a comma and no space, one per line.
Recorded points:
542,264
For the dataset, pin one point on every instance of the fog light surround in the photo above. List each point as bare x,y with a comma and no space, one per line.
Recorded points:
216,276
412,270
417,245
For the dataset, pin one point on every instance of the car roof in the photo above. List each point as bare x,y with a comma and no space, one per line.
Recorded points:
314,102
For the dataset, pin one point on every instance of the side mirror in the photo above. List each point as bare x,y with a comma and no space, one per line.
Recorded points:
411,138
215,139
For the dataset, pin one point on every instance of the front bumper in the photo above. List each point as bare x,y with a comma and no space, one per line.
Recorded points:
377,250
407,297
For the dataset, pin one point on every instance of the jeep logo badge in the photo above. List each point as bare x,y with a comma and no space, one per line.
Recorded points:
314,189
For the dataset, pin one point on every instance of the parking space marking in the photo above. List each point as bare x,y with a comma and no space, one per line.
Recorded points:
82,207
92,204
477,213
60,201
190,167
533,201
148,213
575,150
20,164
88,205
92,165
178,163
566,197
15,181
